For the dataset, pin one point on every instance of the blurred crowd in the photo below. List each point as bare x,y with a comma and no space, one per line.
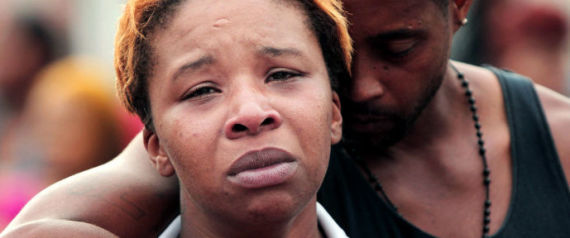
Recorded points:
58,111
530,37
59,114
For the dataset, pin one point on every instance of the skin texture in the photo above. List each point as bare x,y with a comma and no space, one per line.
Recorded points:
224,85
435,181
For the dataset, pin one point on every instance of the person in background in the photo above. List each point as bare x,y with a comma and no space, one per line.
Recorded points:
26,47
71,106
434,147
534,41
69,124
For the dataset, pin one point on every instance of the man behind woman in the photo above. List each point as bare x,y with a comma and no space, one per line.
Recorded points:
410,114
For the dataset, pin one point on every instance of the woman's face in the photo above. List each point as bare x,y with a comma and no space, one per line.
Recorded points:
242,107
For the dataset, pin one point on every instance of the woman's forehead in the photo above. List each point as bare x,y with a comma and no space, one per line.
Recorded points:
207,25
219,14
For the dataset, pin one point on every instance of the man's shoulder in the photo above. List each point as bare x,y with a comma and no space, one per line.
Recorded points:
556,107
557,111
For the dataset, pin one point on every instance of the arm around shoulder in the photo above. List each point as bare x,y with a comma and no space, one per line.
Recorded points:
126,197
57,228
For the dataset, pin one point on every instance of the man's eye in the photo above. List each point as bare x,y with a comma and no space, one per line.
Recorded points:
282,76
201,92
398,48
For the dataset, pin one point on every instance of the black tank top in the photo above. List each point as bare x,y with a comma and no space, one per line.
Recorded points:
540,201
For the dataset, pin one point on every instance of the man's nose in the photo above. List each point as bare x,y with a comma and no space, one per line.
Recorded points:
366,80
252,115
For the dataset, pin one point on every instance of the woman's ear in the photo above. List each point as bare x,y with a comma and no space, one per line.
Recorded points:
336,122
460,11
157,155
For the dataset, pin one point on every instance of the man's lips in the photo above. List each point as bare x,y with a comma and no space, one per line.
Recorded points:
368,123
367,118
262,168
367,112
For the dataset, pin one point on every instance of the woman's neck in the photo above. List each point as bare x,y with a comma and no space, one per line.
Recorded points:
197,223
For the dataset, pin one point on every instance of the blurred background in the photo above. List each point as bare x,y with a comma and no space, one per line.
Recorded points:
59,114
530,37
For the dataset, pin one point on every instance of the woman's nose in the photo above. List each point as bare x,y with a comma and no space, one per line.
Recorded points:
252,117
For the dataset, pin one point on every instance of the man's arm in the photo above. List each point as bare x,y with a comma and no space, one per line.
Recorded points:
557,110
58,228
126,197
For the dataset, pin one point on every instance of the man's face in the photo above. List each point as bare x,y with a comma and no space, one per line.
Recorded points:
401,51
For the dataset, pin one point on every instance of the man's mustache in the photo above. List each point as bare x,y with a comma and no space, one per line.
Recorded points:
369,109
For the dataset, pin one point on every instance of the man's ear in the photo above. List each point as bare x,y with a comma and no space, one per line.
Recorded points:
336,122
460,11
157,155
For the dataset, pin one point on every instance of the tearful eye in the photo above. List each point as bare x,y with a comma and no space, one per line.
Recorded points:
282,76
201,92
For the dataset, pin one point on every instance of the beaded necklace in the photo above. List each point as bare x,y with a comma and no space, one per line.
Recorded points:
482,152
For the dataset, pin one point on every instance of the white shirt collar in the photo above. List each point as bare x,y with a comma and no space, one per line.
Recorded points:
330,227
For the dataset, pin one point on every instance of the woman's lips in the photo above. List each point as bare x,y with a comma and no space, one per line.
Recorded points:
262,168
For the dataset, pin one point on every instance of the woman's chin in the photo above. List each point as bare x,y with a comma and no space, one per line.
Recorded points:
275,207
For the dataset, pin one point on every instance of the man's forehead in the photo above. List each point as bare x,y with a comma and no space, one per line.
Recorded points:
369,15
359,6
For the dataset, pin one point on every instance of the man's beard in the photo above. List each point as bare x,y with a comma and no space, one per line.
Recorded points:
373,142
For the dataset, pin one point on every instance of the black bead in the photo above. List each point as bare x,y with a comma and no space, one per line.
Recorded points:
487,220
487,203
468,93
482,151
487,212
480,142
486,229
477,126
486,172
479,134
471,100
460,76
475,117
465,83
487,181
473,108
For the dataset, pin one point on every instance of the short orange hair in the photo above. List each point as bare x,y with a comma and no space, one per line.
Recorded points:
133,62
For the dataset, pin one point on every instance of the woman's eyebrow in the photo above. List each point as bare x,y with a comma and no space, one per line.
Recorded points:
194,65
274,52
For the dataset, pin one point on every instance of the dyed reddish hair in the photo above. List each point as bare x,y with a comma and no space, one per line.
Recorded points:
140,18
